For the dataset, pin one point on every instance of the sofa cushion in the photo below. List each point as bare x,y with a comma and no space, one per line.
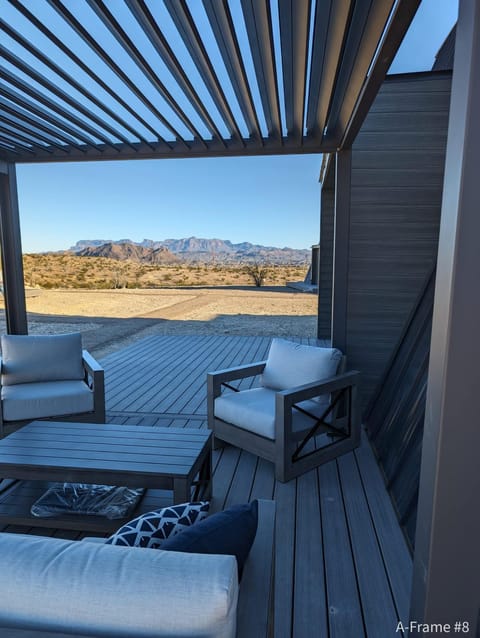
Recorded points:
36,358
231,531
50,398
151,528
103,590
291,364
254,410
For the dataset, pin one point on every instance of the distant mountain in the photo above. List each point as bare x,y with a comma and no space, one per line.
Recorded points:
128,250
192,249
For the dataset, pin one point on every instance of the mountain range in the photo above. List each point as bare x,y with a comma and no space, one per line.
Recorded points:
191,249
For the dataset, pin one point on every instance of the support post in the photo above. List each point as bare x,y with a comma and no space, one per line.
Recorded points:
341,236
446,573
11,249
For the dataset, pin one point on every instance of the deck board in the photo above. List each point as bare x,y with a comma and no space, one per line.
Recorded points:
342,567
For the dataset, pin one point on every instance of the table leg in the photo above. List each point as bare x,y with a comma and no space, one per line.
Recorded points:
181,490
203,489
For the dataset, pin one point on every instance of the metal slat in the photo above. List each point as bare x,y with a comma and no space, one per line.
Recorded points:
367,26
258,21
150,27
65,76
88,70
40,97
6,144
26,140
124,40
34,128
188,31
325,61
93,44
294,32
221,22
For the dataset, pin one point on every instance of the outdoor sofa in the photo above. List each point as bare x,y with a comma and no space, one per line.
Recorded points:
58,588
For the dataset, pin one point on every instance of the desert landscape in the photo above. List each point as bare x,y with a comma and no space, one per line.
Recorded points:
111,319
118,292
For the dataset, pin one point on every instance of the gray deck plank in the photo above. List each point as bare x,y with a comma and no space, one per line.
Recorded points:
309,599
344,608
377,604
342,568
397,559
285,499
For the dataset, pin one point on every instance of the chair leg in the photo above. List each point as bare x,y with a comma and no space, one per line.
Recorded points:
218,444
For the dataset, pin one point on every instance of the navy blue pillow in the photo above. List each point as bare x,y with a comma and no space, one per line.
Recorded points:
229,532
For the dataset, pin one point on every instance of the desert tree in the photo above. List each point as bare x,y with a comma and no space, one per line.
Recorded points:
257,272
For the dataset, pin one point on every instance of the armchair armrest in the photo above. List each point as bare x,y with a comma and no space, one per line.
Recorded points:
311,390
215,380
90,364
95,378
239,372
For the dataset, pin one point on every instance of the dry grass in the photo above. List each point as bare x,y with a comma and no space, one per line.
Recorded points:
64,270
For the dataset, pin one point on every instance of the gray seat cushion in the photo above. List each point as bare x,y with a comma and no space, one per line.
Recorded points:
36,358
254,410
104,590
50,398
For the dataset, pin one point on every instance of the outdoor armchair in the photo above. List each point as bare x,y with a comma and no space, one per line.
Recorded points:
49,376
305,412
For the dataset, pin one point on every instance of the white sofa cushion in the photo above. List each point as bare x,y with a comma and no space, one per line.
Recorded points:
254,410
105,590
50,398
292,364
35,358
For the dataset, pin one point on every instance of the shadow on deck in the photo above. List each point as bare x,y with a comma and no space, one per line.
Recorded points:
343,569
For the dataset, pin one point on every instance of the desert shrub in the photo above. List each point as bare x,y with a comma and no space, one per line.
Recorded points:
257,272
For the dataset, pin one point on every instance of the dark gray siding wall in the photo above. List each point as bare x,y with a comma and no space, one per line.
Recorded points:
325,263
397,176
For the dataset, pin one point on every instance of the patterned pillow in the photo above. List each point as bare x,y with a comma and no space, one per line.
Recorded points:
150,529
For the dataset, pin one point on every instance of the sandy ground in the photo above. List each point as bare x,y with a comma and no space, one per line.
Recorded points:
111,319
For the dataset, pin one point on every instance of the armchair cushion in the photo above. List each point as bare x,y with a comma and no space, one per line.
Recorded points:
254,410
50,398
291,364
38,358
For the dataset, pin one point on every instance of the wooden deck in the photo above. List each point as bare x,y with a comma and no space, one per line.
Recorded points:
343,569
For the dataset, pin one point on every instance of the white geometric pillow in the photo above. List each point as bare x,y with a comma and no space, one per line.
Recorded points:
150,529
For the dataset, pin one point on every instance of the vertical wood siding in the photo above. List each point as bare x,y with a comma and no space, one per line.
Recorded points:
397,177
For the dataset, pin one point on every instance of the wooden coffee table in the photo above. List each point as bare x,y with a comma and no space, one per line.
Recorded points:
159,459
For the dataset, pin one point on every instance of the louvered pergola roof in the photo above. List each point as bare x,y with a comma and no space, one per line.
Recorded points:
124,79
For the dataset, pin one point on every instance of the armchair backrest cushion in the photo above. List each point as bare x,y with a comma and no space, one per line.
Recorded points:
292,364
37,358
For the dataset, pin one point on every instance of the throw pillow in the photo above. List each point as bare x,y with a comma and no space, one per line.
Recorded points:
152,528
229,532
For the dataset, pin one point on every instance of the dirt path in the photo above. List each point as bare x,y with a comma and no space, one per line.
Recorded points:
112,319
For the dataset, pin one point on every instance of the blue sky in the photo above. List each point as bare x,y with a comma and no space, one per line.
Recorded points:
265,200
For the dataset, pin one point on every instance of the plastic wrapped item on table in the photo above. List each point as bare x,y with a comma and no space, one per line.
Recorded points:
82,498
